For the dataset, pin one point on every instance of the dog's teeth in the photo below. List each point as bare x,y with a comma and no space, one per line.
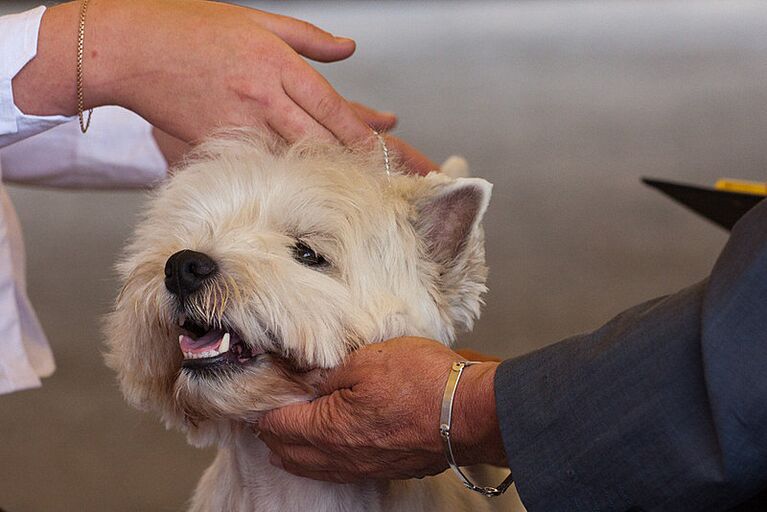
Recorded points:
224,347
181,320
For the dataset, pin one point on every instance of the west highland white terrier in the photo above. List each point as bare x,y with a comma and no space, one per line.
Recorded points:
259,261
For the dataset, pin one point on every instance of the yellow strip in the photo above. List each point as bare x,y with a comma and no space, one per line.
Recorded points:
744,187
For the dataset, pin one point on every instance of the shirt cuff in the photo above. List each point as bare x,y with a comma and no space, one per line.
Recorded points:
18,45
120,153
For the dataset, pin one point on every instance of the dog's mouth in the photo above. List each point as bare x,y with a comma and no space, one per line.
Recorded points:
204,346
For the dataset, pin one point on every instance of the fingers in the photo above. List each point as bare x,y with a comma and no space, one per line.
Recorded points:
297,458
341,379
289,424
412,159
307,39
316,96
379,121
327,417
312,462
333,475
292,123
311,422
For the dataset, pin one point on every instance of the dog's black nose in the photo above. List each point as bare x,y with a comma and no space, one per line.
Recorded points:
186,271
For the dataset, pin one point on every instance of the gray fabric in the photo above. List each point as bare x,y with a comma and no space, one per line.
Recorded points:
663,408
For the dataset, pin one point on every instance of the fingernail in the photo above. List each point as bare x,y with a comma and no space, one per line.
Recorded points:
340,39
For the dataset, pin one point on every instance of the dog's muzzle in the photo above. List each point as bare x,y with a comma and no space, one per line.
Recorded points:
203,346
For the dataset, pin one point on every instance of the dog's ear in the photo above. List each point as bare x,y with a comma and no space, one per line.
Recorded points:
448,221
449,218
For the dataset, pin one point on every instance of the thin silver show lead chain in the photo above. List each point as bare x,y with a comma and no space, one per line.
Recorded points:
384,147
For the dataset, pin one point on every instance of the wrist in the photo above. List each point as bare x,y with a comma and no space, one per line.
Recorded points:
475,432
112,42
47,85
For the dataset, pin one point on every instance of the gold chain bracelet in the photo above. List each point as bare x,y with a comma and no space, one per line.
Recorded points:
84,125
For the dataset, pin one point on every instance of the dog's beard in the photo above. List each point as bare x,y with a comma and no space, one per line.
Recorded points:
241,393
227,375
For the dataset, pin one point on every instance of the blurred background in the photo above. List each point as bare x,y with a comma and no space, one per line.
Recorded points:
563,105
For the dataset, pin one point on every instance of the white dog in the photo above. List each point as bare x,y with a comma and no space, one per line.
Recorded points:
258,262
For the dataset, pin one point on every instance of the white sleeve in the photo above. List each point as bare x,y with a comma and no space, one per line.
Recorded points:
18,45
119,151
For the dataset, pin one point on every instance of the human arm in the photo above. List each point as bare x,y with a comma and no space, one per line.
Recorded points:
375,420
18,45
45,86
190,68
661,409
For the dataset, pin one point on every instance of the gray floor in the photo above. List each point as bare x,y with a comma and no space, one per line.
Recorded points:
563,105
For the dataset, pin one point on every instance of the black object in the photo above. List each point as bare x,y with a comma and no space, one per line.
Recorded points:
722,207
186,270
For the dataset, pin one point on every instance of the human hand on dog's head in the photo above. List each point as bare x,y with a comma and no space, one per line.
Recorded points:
414,161
192,67
377,417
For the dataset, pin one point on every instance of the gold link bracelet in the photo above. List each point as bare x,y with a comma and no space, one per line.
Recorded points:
84,125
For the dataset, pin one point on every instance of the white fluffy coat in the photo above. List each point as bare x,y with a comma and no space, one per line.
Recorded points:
406,257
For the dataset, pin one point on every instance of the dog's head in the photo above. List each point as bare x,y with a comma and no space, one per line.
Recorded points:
259,262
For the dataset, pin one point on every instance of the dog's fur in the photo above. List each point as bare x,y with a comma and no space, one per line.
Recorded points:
405,257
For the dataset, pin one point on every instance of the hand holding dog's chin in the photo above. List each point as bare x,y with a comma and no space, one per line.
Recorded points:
192,67
378,417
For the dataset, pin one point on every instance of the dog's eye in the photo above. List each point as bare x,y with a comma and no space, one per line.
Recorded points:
307,256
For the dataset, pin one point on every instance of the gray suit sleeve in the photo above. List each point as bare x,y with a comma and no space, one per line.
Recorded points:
663,408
